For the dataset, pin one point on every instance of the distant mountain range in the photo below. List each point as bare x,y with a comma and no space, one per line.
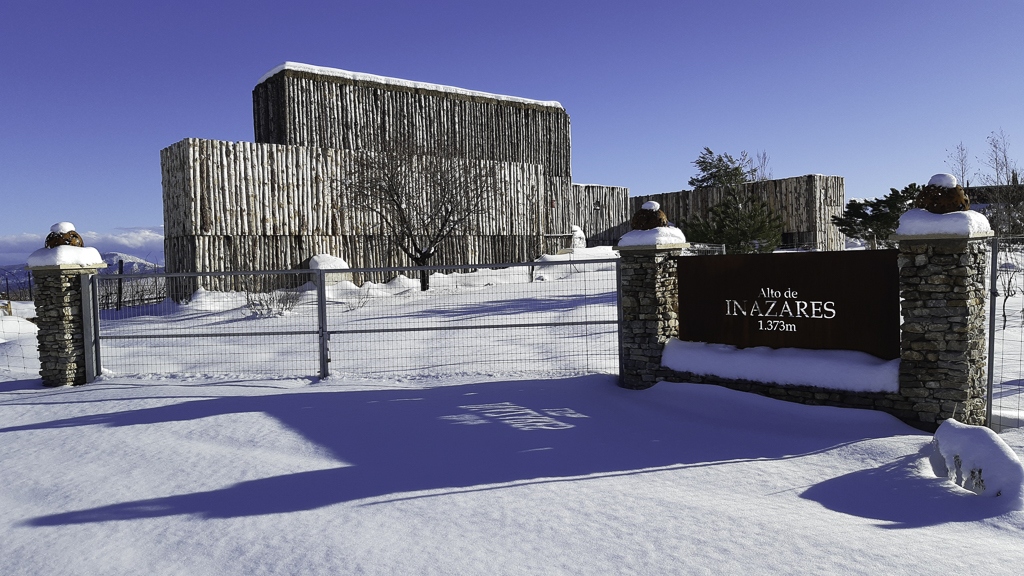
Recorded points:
17,277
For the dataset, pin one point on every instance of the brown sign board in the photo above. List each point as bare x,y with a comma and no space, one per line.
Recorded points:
816,300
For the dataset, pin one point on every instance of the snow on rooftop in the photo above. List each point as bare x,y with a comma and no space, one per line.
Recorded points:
920,222
360,76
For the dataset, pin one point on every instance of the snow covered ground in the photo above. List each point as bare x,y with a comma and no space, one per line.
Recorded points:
480,470
472,476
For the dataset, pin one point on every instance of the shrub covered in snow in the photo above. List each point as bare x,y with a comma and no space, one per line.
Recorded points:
977,459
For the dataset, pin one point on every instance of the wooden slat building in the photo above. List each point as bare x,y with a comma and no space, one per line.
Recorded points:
806,204
272,204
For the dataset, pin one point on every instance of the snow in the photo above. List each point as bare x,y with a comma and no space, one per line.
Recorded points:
966,223
593,253
979,460
944,180
477,473
835,369
327,262
362,77
235,476
65,256
651,205
579,239
62,228
653,237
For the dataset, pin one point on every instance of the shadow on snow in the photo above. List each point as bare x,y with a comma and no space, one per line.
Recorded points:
396,443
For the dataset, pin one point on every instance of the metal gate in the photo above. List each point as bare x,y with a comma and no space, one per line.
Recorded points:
557,317
1006,333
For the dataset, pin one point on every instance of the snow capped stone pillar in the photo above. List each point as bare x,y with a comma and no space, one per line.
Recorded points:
59,274
60,317
648,291
942,263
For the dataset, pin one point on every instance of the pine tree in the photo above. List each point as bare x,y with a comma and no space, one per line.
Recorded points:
875,219
723,170
743,225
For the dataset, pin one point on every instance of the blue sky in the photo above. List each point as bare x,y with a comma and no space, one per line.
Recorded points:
876,92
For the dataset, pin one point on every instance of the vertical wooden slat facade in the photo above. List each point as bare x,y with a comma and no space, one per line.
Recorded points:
350,112
805,203
272,204
204,183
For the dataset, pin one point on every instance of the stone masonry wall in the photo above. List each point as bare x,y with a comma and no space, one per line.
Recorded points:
942,361
649,300
942,367
58,301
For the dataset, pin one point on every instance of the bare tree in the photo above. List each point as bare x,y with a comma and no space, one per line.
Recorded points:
421,200
1008,273
1002,170
959,163
759,168
1006,197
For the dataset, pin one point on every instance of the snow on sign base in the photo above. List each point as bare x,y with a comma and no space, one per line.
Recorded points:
811,300
833,369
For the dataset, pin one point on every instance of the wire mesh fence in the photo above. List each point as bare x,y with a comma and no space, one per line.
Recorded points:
551,317
700,249
19,357
1006,332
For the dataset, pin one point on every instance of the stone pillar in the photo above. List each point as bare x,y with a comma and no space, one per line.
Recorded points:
60,315
942,359
648,293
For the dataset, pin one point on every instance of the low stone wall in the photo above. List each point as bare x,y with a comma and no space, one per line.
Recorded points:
891,402
942,363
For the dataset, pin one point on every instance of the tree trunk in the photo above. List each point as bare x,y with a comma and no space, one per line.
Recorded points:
424,274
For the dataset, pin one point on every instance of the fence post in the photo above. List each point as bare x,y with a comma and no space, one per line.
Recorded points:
60,315
993,291
321,307
942,340
648,289
89,342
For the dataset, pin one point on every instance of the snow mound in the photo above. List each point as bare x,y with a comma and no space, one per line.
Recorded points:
213,301
920,222
595,253
579,239
652,205
327,262
834,369
653,237
944,180
65,256
977,459
62,227
403,283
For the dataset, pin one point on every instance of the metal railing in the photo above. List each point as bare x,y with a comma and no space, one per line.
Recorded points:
551,317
